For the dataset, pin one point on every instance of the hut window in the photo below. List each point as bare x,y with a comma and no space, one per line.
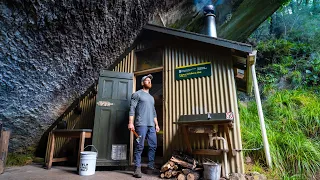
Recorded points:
240,73
148,59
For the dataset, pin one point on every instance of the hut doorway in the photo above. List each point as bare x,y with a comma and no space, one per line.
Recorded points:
157,92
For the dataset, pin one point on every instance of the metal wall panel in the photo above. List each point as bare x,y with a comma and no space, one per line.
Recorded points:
127,64
215,94
75,120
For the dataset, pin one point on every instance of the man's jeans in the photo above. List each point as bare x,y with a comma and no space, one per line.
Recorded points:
148,132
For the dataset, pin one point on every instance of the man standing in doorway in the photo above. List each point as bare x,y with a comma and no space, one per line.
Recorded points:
143,119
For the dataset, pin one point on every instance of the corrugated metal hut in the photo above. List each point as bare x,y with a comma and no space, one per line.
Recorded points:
162,52
193,74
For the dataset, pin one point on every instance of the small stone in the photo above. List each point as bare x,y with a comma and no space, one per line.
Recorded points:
259,177
237,176
248,160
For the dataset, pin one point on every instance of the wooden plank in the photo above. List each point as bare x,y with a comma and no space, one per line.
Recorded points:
208,122
73,134
5,136
250,61
186,139
148,71
131,133
230,147
81,146
114,74
209,152
72,130
60,159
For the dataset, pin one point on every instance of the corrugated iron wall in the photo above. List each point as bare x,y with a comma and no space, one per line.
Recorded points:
75,120
127,64
215,94
87,105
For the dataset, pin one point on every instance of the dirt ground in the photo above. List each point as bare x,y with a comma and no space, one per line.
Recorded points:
37,172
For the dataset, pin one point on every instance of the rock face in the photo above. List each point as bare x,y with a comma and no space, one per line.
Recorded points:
52,51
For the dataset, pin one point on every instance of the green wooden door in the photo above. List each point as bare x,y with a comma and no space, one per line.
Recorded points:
110,134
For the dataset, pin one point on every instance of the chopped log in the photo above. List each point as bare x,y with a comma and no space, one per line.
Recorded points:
175,167
186,171
198,169
193,176
185,157
183,163
162,175
174,173
168,174
165,167
171,163
181,177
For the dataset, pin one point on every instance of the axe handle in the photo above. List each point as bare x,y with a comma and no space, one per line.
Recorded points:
135,133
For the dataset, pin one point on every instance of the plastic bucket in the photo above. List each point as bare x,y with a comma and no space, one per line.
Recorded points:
211,171
88,159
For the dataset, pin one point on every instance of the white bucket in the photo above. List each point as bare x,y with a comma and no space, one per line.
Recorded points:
211,171
87,165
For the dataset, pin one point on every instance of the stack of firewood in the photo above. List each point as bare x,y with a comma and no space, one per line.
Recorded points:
181,168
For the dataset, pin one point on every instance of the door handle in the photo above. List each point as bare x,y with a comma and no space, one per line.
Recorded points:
104,103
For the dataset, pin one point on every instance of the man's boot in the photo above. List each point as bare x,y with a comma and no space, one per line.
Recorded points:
137,172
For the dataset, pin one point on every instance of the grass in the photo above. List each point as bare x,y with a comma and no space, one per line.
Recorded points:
22,157
292,122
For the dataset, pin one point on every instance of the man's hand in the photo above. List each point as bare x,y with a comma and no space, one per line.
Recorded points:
130,126
157,128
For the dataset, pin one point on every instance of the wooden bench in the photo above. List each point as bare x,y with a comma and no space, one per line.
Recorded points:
82,134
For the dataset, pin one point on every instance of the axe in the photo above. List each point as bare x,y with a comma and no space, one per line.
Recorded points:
137,136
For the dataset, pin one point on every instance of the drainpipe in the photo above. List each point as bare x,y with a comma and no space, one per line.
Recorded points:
260,112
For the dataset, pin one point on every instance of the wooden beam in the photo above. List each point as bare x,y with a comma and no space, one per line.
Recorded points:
209,152
60,159
148,71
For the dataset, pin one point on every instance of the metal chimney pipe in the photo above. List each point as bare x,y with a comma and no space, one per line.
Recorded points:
209,12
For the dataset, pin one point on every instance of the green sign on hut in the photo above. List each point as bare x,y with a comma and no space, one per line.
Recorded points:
193,71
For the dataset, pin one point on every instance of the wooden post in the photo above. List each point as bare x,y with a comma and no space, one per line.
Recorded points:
81,146
51,136
4,143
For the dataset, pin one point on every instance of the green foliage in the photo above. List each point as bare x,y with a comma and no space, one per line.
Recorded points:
274,50
297,62
313,72
295,77
21,158
290,61
293,122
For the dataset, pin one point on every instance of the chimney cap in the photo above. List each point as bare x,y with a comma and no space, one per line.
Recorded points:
209,9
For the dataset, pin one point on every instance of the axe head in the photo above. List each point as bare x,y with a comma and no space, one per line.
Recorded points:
138,139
